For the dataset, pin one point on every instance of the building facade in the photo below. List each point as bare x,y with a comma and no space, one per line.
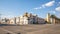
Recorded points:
26,18
52,19
12,21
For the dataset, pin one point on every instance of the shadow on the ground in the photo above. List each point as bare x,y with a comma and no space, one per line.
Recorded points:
18,24
7,25
11,33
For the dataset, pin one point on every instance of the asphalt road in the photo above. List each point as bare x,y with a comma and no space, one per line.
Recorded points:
31,29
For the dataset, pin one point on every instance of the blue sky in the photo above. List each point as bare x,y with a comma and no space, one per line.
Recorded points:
11,8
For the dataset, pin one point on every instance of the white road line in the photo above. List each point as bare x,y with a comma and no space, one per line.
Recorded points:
8,31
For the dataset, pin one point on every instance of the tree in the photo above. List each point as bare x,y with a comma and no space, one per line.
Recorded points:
53,16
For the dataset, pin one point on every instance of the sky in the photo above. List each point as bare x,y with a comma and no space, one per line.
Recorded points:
13,8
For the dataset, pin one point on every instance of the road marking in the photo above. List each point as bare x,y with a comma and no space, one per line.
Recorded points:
8,31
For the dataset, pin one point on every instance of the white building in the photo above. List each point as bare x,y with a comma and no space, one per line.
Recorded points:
27,19
23,20
13,21
17,20
40,20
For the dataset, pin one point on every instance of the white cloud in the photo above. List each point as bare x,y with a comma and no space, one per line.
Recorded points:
38,8
43,6
57,9
52,12
59,2
49,4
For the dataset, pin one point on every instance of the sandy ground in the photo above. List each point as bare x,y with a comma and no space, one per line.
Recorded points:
31,29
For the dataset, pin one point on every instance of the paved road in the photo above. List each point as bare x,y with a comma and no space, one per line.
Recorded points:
31,29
